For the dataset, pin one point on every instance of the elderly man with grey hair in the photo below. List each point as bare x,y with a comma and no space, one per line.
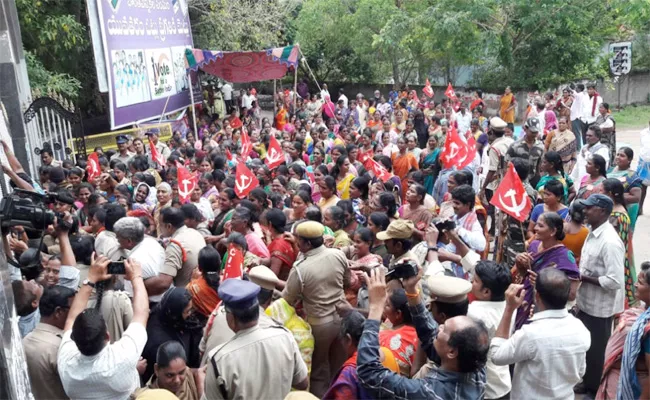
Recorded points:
141,248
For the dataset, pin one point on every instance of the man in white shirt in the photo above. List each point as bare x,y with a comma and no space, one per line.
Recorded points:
463,199
464,120
577,125
343,97
227,90
549,352
489,284
601,294
247,100
90,367
592,146
590,106
324,93
143,249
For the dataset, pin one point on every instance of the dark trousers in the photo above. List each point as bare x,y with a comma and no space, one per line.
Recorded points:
488,195
577,128
601,330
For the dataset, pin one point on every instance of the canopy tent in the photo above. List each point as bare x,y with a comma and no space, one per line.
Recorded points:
244,66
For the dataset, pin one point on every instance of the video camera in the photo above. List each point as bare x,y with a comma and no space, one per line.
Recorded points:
402,270
29,209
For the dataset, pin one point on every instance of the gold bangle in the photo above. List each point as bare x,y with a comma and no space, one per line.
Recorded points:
413,295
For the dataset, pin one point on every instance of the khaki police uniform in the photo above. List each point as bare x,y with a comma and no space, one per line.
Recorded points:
182,255
257,363
317,278
41,349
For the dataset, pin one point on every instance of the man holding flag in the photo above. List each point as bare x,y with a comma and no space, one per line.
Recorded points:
162,148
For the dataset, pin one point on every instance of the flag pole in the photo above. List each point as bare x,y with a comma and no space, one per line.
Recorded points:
523,235
295,82
196,131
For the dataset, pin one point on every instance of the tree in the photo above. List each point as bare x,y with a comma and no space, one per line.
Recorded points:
233,25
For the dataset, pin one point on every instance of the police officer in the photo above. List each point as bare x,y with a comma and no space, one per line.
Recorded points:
217,330
123,155
257,363
317,279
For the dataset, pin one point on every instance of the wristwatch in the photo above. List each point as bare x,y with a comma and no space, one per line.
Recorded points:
432,248
89,283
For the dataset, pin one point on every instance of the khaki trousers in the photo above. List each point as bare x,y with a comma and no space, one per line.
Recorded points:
328,356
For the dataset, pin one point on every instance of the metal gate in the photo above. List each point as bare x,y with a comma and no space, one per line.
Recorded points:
52,123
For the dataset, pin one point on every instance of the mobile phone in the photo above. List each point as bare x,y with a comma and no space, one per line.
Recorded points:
116,268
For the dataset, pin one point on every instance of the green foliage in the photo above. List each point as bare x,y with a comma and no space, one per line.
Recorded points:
632,117
532,44
233,25
46,81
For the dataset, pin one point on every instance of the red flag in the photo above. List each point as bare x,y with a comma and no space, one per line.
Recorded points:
310,175
187,181
246,145
471,152
428,91
455,151
511,197
364,156
234,263
155,154
93,170
377,169
245,181
229,155
450,92
274,156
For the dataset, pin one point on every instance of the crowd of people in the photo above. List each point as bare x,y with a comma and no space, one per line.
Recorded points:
364,268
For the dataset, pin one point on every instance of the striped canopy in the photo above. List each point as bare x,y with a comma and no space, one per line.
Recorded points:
244,66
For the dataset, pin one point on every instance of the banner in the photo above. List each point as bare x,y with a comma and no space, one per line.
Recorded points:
144,45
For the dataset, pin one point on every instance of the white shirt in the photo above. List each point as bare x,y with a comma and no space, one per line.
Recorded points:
247,101
324,93
226,89
151,256
106,244
464,123
498,376
345,100
603,255
576,106
580,169
587,106
474,238
111,374
548,353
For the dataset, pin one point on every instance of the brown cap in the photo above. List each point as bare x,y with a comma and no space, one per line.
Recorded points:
263,277
448,289
310,229
398,229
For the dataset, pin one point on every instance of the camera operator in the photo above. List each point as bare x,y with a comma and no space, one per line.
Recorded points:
85,355
398,238
462,348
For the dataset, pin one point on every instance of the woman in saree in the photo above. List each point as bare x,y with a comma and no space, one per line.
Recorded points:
282,251
429,163
281,118
403,162
341,172
564,142
545,251
203,289
550,121
507,106
553,168
359,196
620,220
226,209
401,339
626,356
164,197
630,180
415,210
596,174
362,260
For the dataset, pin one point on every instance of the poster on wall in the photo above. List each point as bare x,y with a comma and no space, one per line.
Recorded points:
140,39
178,57
162,82
129,73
